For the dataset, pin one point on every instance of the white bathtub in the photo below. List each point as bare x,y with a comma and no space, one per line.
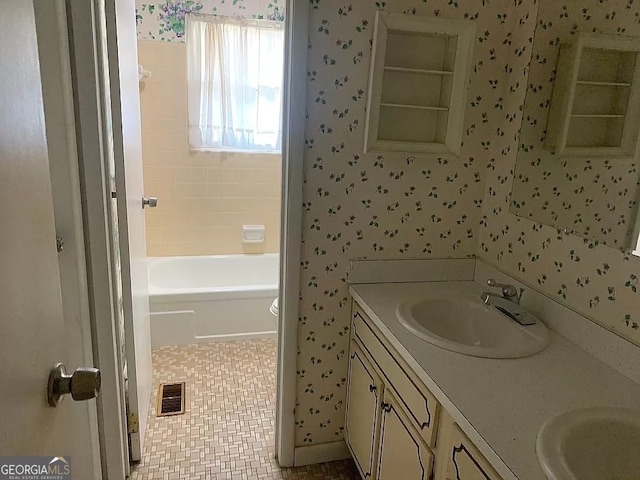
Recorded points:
212,298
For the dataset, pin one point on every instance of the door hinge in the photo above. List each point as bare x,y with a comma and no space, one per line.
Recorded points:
132,423
59,244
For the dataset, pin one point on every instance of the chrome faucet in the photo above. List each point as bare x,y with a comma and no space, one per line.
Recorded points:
509,292
508,303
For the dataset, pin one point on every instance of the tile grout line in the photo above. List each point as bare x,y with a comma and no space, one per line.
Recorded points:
227,431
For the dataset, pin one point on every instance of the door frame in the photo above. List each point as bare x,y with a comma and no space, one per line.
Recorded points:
93,148
294,121
122,95
96,198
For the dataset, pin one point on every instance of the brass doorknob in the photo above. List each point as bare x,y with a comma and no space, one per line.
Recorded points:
83,384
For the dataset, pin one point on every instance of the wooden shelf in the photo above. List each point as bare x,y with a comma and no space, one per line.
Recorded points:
603,84
418,70
595,107
416,107
418,82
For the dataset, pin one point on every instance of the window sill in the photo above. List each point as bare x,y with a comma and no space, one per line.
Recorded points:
234,150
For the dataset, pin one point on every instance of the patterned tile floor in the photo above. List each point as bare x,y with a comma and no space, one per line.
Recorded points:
227,431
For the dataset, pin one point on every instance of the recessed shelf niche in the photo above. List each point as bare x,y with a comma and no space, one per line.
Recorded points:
417,84
595,107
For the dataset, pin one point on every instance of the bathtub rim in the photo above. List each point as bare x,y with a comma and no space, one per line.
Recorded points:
169,294
155,259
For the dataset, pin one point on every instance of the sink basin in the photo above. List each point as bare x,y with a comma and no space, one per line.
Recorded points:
600,443
468,326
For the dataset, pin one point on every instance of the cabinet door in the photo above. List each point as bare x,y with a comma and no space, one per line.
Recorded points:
463,461
402,452
362,416
419,404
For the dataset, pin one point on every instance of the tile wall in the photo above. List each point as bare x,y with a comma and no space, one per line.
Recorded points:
204,197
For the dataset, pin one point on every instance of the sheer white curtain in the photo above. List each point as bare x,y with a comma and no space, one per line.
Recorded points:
234,71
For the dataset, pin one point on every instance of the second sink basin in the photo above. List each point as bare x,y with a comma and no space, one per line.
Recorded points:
599,443
468,326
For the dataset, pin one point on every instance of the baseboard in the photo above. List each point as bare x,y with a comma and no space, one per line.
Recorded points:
323,452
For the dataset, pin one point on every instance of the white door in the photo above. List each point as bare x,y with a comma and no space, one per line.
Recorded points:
57,93
33,329
125,113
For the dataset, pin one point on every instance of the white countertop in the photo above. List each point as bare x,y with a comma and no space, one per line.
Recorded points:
499,404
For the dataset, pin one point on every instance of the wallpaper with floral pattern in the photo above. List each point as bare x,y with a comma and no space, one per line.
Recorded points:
398,206
164,19
596,198
380,206
393,206
598,281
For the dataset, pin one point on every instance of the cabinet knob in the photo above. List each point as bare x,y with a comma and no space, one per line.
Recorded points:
372,388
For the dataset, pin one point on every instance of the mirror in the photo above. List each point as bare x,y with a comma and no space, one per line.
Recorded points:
593,197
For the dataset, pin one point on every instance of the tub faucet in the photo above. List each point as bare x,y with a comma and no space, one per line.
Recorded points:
509,292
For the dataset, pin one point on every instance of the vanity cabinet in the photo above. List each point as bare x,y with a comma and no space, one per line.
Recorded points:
402,452
416,400
394,426
459,459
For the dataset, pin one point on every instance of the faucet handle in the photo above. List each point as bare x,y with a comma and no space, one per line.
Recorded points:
508,291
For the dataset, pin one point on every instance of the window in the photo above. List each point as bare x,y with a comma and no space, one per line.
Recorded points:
234,70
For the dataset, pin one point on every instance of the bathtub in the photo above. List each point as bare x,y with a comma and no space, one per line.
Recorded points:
212,298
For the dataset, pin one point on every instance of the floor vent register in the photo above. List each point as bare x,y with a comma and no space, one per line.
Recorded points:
170,399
